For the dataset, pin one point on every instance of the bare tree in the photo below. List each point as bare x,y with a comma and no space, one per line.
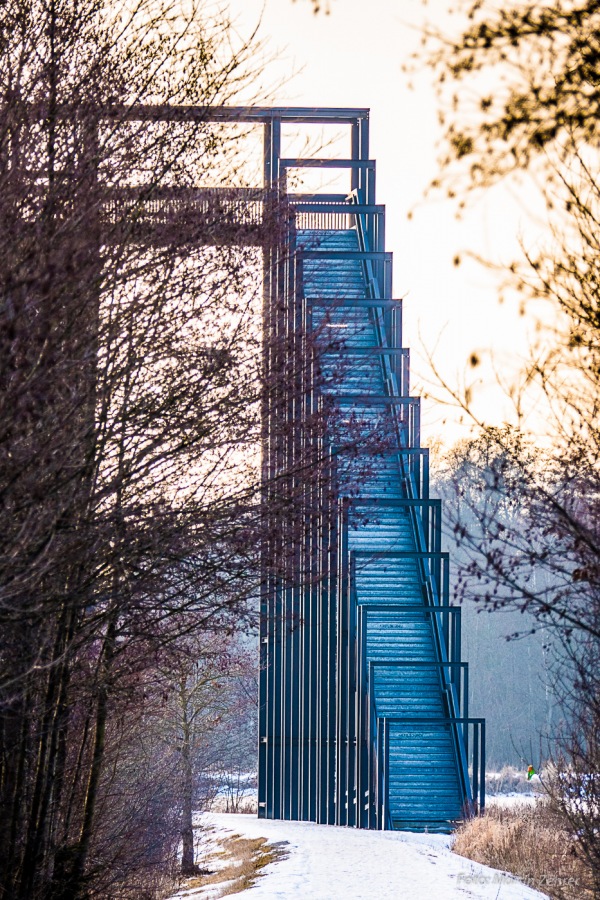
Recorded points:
523,89
131,372
518,86
511,651
208,711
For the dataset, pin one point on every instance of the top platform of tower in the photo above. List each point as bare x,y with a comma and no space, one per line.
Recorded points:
250,216
171,211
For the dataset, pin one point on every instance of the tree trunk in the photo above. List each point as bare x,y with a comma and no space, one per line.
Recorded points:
187,827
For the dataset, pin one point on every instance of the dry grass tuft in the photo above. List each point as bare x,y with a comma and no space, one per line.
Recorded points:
241,860
247,805
529,842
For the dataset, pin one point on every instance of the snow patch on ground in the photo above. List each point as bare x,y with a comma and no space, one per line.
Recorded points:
511,800
330,863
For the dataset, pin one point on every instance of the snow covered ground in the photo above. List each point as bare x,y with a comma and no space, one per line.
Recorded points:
514,799
329,863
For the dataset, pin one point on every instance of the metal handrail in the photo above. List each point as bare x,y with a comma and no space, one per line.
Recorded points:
429,584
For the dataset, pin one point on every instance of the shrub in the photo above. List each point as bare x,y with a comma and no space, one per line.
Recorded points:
528,841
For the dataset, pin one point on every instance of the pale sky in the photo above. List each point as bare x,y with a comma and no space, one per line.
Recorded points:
353,57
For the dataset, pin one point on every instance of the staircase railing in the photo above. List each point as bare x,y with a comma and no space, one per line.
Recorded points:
367,241
331,212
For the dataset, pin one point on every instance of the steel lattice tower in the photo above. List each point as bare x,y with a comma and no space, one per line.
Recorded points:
363,694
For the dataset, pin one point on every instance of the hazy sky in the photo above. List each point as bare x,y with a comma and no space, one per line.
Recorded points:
353,57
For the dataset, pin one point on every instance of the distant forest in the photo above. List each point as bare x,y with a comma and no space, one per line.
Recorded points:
509,685
509,654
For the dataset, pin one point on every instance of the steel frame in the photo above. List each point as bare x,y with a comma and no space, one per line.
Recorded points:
322,749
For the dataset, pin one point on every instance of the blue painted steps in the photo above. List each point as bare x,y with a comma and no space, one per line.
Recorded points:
425,778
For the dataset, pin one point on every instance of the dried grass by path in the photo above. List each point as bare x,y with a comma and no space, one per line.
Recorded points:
530,842
238,863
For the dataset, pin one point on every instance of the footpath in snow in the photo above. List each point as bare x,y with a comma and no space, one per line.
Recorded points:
329,863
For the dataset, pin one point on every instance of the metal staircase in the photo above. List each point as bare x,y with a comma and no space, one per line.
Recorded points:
363,716
372,729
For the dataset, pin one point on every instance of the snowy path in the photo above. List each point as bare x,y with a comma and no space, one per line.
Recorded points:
329,863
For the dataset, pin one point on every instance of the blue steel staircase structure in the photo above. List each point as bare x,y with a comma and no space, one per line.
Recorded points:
363,693
363,717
